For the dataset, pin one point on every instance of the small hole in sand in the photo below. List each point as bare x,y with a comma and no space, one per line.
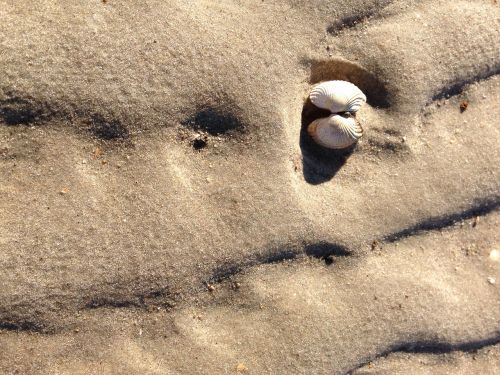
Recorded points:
199,143
329,260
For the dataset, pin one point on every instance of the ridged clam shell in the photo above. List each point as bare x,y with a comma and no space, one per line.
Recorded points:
335,131
337,96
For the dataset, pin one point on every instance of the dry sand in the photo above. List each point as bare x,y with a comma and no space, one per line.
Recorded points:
162,210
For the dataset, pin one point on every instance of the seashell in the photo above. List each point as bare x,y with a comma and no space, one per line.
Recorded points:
335,131
337,96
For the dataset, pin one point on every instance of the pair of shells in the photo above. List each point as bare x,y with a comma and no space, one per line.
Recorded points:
337,131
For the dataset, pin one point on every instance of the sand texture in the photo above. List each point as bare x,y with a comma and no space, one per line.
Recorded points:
163,210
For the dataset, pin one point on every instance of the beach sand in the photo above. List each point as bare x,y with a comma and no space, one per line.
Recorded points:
163,211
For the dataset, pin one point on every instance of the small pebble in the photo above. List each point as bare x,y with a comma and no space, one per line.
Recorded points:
491,280
495,255
475,222
241,367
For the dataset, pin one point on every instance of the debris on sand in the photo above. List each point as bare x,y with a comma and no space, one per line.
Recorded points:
241,368
475,222
463,105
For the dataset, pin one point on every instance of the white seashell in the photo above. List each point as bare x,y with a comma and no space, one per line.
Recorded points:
335,131
337,96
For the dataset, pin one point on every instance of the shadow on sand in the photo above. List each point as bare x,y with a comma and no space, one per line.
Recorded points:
319,164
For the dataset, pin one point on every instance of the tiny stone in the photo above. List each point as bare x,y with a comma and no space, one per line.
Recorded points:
241,367
495,255
464,105
491,280
475,222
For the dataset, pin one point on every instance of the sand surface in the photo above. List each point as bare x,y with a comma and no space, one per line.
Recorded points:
163,211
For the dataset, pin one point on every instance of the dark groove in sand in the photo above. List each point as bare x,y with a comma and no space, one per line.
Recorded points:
480,208
458,86
321,250
161,297
351,21
17,110
430,347
24,326
24,110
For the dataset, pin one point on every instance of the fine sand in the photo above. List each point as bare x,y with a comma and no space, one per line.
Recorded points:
163,211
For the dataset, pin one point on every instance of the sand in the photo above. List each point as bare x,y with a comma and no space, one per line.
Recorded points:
163,211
